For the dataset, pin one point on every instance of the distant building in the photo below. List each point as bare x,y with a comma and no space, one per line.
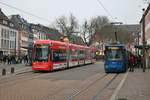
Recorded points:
135,30
41,32
8,36
131,28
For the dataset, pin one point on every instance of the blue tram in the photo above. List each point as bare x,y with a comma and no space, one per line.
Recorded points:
115,58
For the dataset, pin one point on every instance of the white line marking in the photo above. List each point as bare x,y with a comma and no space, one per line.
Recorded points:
21,69
113,97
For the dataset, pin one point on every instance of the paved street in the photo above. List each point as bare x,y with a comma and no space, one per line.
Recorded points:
81,83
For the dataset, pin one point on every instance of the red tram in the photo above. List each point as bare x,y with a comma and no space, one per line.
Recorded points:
49,55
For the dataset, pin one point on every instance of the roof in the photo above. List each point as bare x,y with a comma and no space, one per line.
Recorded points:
132,28
9,22
145,13
141,46
20,22
3,16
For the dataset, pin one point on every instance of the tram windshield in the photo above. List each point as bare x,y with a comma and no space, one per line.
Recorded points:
41,53
114,54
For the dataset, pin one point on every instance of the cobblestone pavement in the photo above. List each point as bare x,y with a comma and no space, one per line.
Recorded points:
136,86
60,85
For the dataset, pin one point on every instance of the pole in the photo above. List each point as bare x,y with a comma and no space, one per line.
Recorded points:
144,42
138,43
15,44
116,37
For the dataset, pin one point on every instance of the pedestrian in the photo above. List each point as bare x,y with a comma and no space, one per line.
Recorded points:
4,59
139,61
131,62
9,59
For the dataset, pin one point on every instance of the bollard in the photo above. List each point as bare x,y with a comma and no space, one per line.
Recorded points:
3,71
12,69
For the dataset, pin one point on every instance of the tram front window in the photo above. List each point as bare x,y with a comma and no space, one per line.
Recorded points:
114,55
41,53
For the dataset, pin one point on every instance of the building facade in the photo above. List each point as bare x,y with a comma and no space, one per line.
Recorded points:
145,24
8,36
23,33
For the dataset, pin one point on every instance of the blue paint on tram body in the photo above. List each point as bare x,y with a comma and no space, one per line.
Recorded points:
115,58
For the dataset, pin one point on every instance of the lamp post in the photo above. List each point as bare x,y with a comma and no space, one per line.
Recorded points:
15,44
138,42
144,42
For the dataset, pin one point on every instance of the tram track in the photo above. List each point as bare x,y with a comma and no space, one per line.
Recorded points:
84,91
101,90
27,75
20,77
23,76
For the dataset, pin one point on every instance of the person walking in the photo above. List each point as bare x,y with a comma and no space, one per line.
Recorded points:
139,61
131,62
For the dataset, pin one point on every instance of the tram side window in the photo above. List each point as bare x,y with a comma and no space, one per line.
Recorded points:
93,55
88,54
81,55
59,55
74,54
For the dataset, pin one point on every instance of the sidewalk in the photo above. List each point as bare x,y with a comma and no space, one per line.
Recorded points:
136,86
17,67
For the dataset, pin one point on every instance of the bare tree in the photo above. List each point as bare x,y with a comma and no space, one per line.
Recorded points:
85,32
90,28
67,25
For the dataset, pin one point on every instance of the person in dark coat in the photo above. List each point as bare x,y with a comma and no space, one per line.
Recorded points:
139,61
9,59
4,59
131,62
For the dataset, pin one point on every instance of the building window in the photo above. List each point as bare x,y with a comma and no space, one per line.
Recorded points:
2,32
5,22
11,25
11,34
5,44
10,45
15,34
1,43
7,34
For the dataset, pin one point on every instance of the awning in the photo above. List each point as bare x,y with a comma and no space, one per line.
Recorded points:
26,47
141,46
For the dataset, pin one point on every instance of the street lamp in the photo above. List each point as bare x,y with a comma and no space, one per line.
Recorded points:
144,42
15,42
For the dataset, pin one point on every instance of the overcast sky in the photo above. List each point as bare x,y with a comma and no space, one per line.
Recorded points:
126,11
